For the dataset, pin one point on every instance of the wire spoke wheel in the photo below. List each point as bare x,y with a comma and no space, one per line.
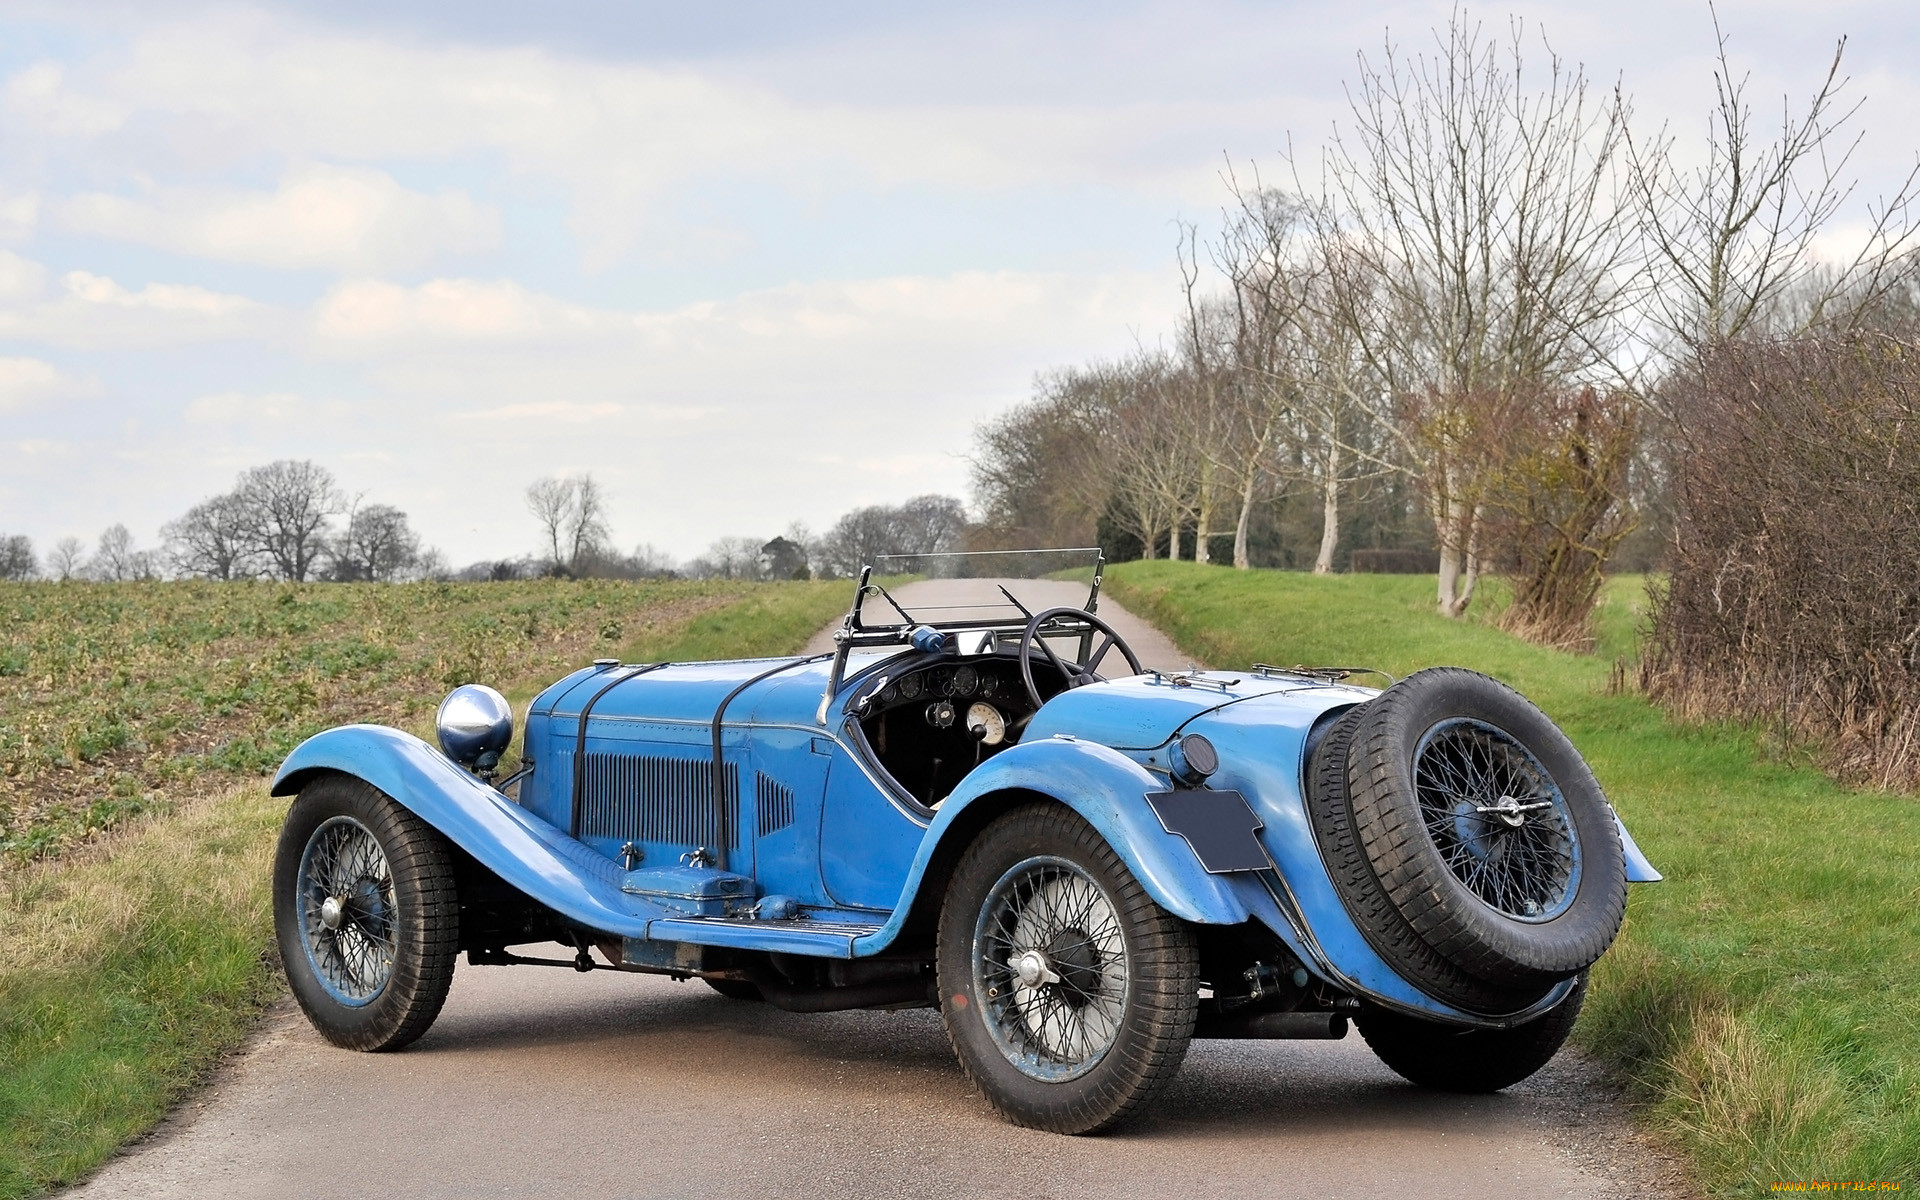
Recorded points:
1068,994
1498,820
347,910
1051,960
366,910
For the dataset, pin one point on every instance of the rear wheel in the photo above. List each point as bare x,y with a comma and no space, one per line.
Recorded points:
1068,994
1469,1060
366,913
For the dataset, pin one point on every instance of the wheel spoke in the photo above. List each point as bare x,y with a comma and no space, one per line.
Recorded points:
1061,1027
1473,782
344,863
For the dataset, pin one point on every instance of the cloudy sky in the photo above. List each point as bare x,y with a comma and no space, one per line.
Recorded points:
747,263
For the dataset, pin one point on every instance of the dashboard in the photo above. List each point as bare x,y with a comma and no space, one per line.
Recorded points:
930,726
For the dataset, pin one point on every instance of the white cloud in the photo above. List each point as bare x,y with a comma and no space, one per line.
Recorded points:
20,278
95,311
557,410
616,136
30,382
463,309
226,408
39,96
19,213
348,219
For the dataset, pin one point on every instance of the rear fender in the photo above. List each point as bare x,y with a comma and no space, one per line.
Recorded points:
520,848
1105,787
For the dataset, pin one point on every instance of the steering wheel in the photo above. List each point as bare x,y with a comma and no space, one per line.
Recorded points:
1076,674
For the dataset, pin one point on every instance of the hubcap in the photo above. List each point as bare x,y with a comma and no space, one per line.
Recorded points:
345,894
1498,819
1050,968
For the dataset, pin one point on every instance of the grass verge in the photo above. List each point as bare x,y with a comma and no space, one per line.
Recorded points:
132,962
124,974
1764,997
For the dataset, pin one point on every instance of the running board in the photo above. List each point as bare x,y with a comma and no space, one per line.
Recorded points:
816,939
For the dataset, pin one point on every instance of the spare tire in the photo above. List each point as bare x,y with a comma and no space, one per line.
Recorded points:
1385,929
1484,831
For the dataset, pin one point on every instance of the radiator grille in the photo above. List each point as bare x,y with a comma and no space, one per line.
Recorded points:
647,798
773,804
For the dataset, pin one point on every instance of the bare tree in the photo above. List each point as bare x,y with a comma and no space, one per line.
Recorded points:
1041,472
1732,241
730,558
67,559
287,508
377,544
587,531
209,540
651,562
573,521
16,557
117,560
1487,253
929,524
550,501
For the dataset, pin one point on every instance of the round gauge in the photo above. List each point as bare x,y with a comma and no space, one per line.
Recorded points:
985,722
889,694
965,680
910,687
986,685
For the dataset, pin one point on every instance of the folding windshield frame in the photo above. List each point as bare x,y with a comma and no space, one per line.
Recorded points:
857,633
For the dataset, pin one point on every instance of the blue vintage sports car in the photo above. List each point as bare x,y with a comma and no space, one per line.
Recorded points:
955,809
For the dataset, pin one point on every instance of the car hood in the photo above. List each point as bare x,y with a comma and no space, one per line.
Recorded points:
1144,711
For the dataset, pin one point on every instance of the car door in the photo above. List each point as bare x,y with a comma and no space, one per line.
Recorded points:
868,833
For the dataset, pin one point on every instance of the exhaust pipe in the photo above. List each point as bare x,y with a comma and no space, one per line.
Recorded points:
1310,1026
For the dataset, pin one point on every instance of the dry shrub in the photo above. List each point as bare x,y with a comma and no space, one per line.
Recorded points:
1558,509
1794,597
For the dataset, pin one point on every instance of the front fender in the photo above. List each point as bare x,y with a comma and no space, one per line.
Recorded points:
509,841
1109,790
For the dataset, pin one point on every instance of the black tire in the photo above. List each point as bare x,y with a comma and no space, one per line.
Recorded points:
1381,923
735,989
375,977
1472,1060
1125,975
1520,901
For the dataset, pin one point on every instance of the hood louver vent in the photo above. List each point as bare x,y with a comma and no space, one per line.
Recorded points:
647,798
773,804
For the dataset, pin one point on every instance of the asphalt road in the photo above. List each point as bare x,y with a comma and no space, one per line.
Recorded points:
541,1082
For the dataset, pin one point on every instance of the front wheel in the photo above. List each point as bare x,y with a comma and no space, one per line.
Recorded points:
1068,994
366,912
1469,1060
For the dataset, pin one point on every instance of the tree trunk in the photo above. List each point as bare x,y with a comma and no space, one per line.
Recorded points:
1240,559
1173,537
1329,512
1201,551
1459,561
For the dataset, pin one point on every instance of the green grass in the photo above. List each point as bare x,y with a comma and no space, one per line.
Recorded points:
1766,997
768,620
136,958
118,699
124,975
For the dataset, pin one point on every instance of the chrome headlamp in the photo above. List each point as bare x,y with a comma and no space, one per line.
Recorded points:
475,723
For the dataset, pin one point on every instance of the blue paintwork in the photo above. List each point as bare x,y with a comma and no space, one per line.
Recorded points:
852,850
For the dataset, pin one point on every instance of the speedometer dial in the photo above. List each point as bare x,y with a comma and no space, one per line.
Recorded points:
985,722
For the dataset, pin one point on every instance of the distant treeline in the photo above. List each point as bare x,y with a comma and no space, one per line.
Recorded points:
289,520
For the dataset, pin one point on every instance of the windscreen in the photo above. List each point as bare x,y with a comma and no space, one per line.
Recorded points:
979,587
